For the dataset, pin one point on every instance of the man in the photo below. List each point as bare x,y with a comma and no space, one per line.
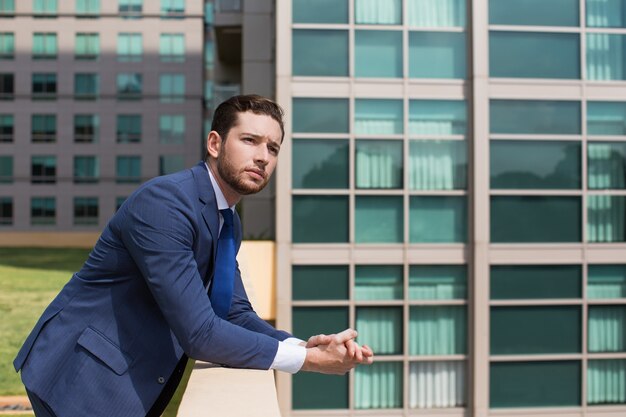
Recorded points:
115,341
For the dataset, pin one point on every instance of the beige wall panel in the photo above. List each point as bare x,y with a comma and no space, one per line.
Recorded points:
536,91
438,90
379,88
426,256
521,254
338,87
378,254
326,255
611,253
608,91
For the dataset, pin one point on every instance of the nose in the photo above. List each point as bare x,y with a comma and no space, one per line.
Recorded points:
262,155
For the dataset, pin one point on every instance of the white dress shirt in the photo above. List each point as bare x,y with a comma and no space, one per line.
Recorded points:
290,355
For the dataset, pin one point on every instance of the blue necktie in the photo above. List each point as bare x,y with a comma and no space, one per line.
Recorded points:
224,278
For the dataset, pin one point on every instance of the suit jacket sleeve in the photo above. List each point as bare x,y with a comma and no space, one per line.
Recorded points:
159,231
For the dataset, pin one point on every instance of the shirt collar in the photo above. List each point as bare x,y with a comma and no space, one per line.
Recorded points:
219,195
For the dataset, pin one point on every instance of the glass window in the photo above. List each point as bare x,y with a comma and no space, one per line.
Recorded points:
87,46
532,384
437,117
7,45
378,164
209,55
86,128
437,282
606,118
128,169
437,55
86,169
171,128
130,7
129,47
43,128
378,282
606,56
7,7
320,115
380,328
45,7
7,86
209,13
320,219
439,384
168,164
42,210
85,210
534,12
173,6
43,169
6,128
436,13
378,12
606,165
6,211
606,281
378,53
172,47
606,13
534,55
44,85
320,11
606,380
172,87
128,128
535,164
129,86
320,163
320,52
535,330
437,165
607,328
44,45
379,219
308,321
438,219
521,219
438,330
378,117
378,385
535,117
88,7
86,86
520,282
118,202
606,216
6,169
320,282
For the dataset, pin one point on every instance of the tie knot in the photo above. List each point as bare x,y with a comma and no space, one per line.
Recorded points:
227,214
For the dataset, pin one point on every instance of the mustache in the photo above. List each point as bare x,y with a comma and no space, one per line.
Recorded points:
257,170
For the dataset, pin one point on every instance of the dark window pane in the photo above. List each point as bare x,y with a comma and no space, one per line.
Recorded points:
320,282
320,163
535,330
311,391
379,219
535,219
438,219
320,115
535,384
437,282
534,12
320,219
320,11
535,164
606,56
535,117
606,165
437,55
378,54
309,321
519,282
606,13
320,52
606,281
606,217
606,118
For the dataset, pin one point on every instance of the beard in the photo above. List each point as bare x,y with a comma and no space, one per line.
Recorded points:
236,178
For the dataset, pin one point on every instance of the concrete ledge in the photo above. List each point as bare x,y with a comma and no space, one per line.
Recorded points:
227,392
49,239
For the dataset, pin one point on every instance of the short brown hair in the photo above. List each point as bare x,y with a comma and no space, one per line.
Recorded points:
227,113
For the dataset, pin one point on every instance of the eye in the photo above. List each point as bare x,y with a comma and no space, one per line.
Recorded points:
274,150
248,139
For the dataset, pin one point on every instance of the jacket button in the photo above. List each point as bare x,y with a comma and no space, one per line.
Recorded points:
161,380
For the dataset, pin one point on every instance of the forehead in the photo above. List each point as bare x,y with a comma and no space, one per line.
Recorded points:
257,124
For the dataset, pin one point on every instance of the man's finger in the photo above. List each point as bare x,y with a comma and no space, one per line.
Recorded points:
359,354
367,351
351,348
346,335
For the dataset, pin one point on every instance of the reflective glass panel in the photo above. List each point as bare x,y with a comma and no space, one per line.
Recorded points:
438,219
438,330
437,55
320,52
378,12
437,384
523,282
606,13
535,164
378,164
320,282
606,165
535,117
6,169
378,54
606,281
378,282
378,117
437,282
606,118
606,57
436,13
378,386
606,382
380,328
378,220
437,117
319,163
606,218
318,219
522,219
320,11
534,12
437,165
607,328
320,115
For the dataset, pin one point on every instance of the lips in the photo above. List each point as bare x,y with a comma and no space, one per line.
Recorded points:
257,172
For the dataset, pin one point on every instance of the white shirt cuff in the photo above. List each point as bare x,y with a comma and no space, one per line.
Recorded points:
290,356
293,341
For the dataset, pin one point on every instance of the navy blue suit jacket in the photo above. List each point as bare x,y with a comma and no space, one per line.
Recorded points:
111,338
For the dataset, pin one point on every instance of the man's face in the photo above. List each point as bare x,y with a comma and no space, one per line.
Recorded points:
248,156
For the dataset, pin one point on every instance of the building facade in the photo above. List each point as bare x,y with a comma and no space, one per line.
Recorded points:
453,187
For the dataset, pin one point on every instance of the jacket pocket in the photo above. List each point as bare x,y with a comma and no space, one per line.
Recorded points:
104,349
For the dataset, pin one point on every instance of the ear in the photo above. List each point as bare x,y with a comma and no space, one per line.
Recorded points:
213,144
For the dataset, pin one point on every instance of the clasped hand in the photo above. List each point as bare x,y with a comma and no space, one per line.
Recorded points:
336,353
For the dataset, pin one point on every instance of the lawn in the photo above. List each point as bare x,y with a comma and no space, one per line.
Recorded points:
29,279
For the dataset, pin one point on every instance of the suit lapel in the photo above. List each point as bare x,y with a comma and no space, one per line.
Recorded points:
207,198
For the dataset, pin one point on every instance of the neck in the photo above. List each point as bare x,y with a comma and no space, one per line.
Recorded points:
231,196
